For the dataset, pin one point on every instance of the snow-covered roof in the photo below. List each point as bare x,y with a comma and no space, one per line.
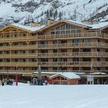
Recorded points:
36,28
29,28
101,25
76,23
98,73
68,75
44,27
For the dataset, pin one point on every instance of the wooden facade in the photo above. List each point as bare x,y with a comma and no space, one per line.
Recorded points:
61,46
64,78
63,81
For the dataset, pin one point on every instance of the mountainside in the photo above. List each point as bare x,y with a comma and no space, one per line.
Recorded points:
25,11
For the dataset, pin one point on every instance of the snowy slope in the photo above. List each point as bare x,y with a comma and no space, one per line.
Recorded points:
38,10
80,96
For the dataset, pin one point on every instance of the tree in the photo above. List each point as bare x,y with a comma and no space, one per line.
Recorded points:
60,15
55,14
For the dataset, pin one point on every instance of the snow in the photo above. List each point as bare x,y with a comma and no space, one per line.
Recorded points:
98,73
30,28
37,27
101,25
7,10
79,96
83,9
69,75
79,23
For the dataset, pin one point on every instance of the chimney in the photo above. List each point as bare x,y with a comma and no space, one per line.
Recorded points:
50,21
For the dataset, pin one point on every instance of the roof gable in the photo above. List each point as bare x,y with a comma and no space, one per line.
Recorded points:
67,75
24,28
74,23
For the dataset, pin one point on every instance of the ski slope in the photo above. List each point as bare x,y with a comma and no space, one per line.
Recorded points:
79,96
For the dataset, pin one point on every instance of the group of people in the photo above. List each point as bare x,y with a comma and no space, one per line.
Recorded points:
6,81
34,81
37,81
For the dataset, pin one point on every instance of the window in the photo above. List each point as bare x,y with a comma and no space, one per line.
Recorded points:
98,50
55,59
86,50
106,59
24,34
98,59
54,51
86,59
65,29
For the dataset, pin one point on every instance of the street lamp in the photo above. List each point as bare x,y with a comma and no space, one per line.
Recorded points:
39,76
16,78
39,72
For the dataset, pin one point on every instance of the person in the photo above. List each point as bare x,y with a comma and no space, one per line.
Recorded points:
40,81
34,81
28,82
46,82
2,82
9,82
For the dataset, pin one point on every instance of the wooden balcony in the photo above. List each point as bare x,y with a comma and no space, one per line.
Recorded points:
72,36
69,36
18,47
18,64
73,64
72,54
55,46
18,39
105,36
72,45
53,37
18,72
18,55
56,55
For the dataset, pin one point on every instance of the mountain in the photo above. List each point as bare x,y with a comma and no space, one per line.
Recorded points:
25,11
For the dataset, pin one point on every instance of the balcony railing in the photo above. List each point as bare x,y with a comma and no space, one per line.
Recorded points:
72,45
54,36
17,71
73,35
18,47
18,55
73,54
16,39
75,64
19,64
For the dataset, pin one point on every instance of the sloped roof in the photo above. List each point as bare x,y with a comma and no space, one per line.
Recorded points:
29,28
44,27
25,28
68,75
102,25
40,28
76,23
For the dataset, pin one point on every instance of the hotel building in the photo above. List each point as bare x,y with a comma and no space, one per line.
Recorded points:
57,47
